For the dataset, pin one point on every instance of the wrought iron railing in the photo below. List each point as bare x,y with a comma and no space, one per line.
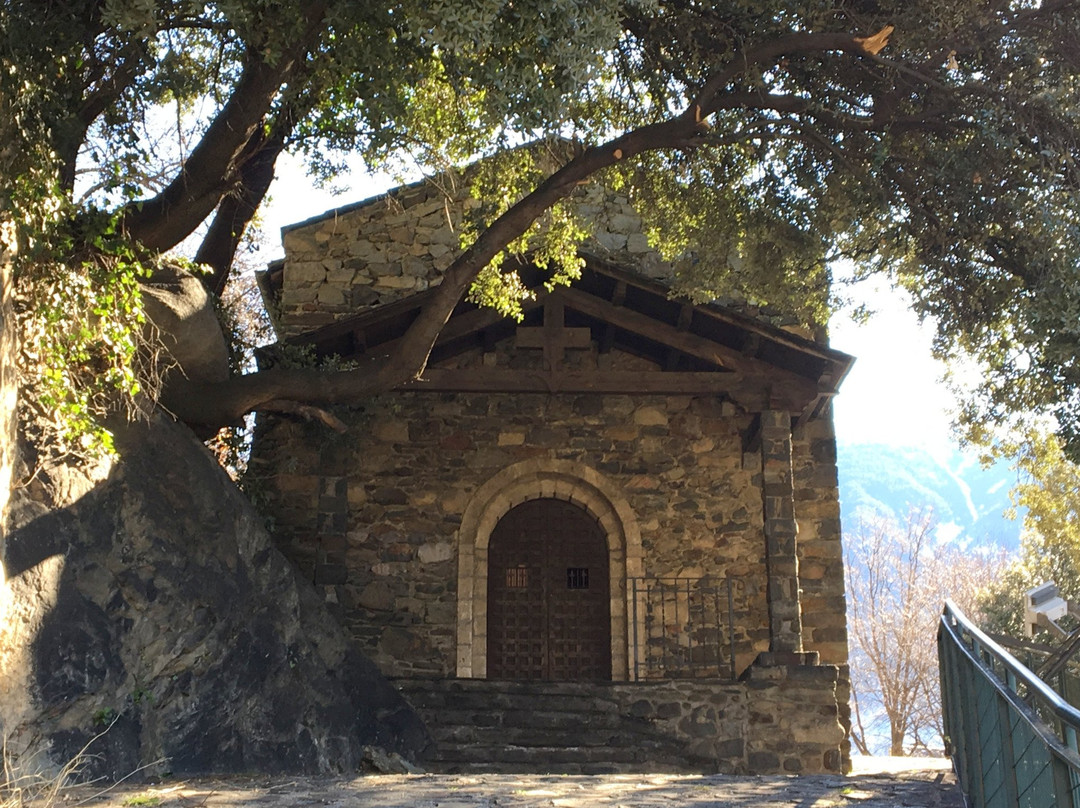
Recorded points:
682,628
1012,739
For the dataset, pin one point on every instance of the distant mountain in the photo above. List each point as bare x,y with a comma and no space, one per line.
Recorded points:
968,500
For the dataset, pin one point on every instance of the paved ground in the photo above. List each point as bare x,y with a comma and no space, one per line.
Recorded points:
877,784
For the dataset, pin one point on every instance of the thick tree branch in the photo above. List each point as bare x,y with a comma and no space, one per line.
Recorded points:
307,412
225,402
707,99
164,221
236,210
222,403
213,405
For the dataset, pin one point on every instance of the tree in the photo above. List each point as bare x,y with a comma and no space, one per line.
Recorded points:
898,578
934,143
1050,543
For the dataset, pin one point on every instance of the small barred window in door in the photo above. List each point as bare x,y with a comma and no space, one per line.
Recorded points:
577,577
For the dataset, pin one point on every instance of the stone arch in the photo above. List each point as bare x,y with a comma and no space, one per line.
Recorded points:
534,479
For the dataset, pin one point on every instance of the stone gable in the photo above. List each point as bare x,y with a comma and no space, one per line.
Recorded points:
389,247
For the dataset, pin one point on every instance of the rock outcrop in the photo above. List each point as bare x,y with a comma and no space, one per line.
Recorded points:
152,609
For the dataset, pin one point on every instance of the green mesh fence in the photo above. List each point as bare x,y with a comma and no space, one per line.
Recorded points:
1012,739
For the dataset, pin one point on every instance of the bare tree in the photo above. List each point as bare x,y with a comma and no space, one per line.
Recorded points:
898,576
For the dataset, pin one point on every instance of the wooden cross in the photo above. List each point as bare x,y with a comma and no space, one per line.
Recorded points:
553,337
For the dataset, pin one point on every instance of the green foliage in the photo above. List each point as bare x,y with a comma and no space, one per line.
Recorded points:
552,241
76,274
105,717
946,160
734,228
84,354
142,799
1047,491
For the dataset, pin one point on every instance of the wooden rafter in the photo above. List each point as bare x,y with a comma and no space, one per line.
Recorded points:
752,363
630,320
686,316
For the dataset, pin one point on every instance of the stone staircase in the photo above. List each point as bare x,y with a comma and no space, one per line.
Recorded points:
538,727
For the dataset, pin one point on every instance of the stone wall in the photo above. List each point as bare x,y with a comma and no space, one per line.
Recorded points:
386,248
779,719
374,515
795,719
821,560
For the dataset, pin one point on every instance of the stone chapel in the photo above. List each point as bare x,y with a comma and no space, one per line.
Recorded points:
603,538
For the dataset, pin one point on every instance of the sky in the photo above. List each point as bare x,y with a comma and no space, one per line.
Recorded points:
893,394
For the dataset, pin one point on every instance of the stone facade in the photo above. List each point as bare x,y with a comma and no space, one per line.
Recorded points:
389,247
393,518
375,514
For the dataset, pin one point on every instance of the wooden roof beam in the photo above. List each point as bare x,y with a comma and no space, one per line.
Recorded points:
645,325
737,319
618,297
754,392
686,316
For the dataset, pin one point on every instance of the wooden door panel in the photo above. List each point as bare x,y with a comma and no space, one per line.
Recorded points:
548,595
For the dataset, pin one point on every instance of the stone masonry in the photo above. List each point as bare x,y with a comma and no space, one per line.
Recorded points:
373,515
706,490
676,725
387,248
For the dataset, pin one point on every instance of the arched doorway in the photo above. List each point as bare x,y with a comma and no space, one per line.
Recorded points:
549,594
543,478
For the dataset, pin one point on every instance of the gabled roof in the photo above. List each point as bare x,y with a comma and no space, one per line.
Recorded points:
697,348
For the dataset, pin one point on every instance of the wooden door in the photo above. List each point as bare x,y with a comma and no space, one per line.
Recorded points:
549,595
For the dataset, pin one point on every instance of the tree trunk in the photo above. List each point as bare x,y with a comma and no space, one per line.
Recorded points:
236,210
896,740
9,383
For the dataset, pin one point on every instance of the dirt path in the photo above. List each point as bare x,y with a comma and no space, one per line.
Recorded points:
925,788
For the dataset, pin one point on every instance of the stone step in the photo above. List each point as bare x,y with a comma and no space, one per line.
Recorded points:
539,718
511,753
557,727
487,701
585,688
553,760
543,767
586,737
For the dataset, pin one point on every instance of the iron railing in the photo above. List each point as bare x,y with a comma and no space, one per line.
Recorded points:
682,628
1012,739
1034,656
